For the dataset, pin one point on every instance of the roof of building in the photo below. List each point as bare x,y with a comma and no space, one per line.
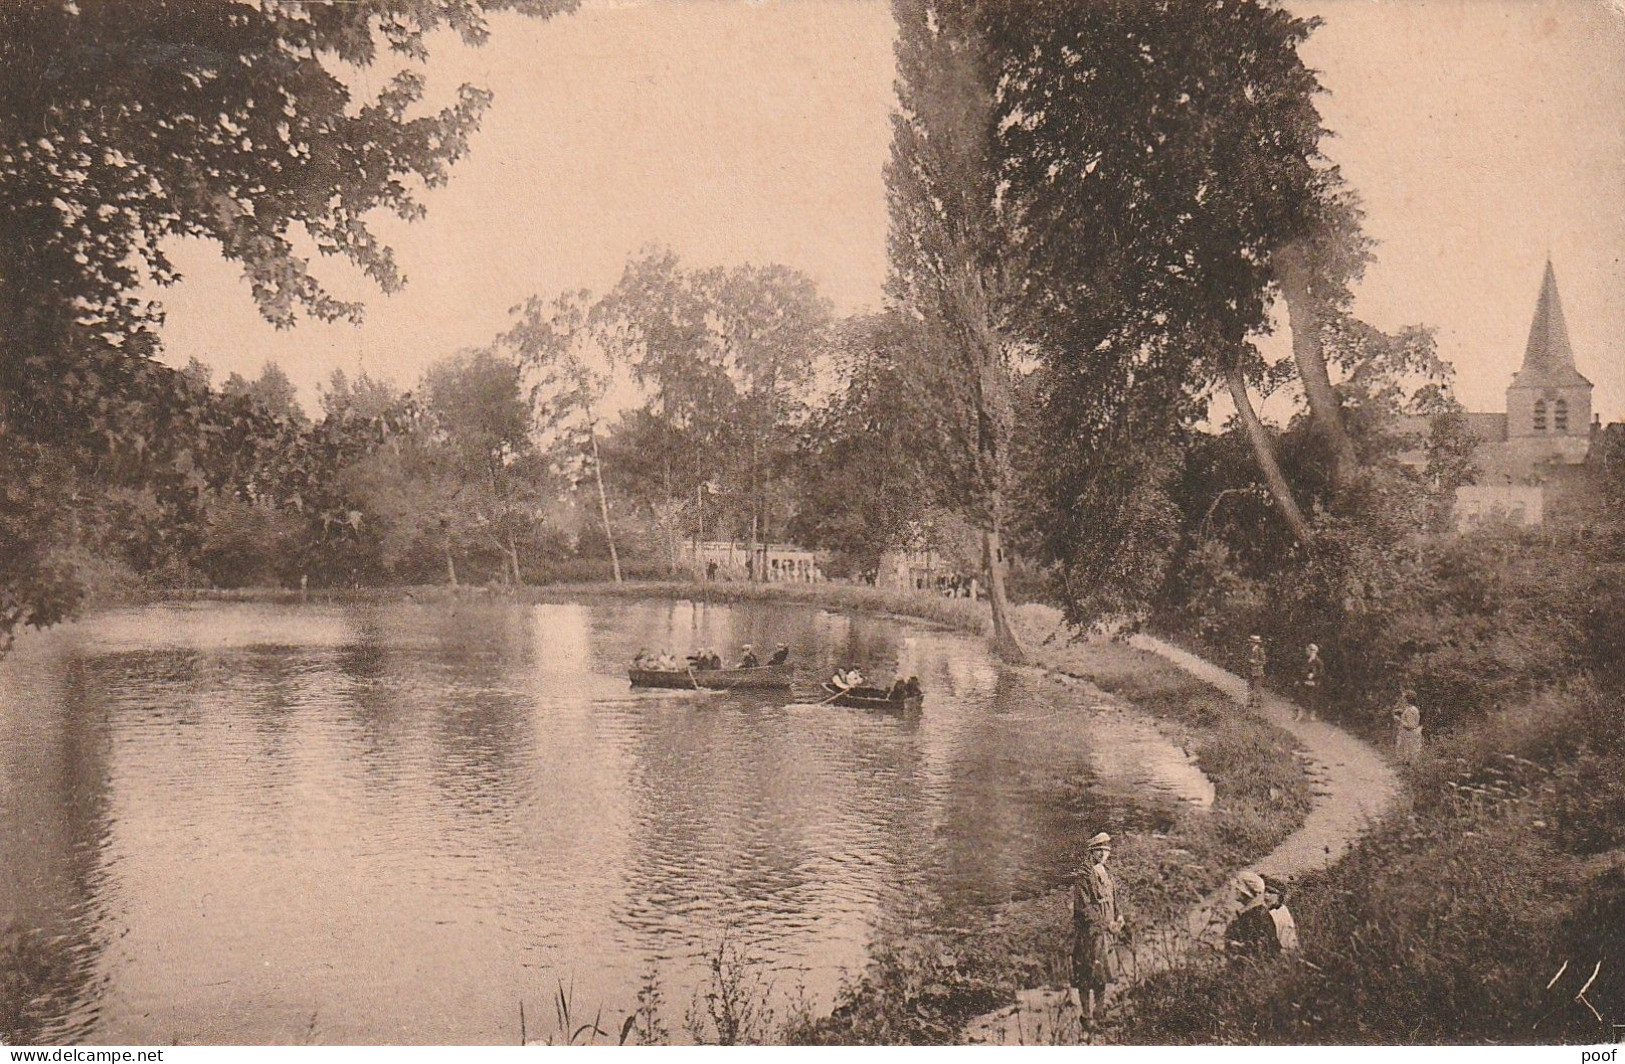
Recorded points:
1488,427
1548,360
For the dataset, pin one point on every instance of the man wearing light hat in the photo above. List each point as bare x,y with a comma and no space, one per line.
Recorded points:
1095,927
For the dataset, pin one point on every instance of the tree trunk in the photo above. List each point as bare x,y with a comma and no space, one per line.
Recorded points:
513,560
1265,454
671,539
603,507
755,499
1005,642
671,524
1293,274
699,531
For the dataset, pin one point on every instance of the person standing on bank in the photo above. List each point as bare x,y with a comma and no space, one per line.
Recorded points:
1095,928
1407,727
1312,684
1257,659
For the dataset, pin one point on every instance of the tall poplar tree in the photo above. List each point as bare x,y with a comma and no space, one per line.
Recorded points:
948,271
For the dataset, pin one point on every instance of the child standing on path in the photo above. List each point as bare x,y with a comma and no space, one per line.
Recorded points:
1257,659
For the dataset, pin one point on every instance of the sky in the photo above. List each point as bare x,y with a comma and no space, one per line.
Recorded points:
1484,135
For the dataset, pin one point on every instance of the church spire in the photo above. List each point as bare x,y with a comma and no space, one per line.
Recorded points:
1548,361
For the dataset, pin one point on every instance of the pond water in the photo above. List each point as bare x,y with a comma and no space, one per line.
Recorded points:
396,821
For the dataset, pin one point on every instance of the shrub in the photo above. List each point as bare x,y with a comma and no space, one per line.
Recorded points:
734,1009
922,990
1589,802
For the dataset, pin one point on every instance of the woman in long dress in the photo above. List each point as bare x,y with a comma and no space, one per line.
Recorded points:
1257,661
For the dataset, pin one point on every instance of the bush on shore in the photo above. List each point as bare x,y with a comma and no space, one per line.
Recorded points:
1470,623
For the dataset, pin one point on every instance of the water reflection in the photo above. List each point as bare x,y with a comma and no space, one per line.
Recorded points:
393,823
53,828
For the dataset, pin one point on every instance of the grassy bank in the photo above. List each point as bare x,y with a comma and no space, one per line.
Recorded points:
961,614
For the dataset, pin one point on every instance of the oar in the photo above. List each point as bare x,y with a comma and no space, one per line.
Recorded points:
833,697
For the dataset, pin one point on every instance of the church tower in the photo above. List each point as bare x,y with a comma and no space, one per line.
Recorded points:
1548,402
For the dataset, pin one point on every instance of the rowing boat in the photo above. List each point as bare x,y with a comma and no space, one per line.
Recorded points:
871,698
715,679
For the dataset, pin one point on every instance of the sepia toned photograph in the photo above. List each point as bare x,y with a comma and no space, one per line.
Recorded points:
812,523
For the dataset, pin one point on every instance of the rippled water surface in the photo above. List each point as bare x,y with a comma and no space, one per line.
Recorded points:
395,822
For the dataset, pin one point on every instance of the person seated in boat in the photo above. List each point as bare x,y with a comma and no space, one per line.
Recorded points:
911,688
899,690
748,659
667,662
713,660
697,659
780,655
849,679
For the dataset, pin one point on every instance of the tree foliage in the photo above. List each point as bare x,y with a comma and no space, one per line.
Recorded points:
126,126
725,358
271,391
1155,157
484,422
865,482
570,350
